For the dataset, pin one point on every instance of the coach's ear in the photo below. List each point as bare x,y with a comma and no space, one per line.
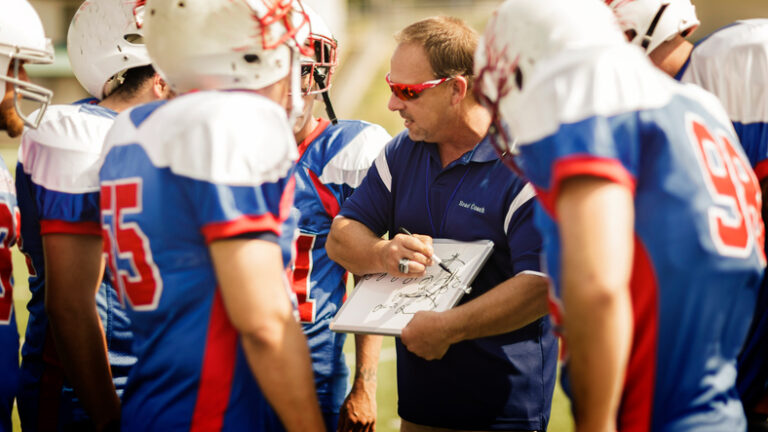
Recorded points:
459,87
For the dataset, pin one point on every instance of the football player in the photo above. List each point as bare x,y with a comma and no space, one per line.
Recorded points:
732,63
77,350
650,214
22,40
194,194
334,156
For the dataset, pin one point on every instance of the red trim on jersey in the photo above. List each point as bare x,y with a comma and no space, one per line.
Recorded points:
636,408
286,201
330,203
323,123
55,226
266,222
217,371
761,169
583,165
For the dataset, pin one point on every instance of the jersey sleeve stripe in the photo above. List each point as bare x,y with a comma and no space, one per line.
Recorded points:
584,165
525,194
245,224
64,227
217,370
383,168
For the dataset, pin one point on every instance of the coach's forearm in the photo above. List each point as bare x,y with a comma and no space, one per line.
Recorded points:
355,247
509,306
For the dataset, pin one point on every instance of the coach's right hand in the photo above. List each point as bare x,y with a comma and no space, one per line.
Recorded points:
406,255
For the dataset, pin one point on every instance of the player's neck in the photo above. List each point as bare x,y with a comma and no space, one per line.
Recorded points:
307,129
670,56
120,103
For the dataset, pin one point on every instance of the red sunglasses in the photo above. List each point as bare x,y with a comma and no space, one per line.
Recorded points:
408,92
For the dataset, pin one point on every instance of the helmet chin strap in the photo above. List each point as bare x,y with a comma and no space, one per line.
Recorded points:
320,80
646,42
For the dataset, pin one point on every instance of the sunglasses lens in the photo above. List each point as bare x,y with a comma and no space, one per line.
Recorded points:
404,92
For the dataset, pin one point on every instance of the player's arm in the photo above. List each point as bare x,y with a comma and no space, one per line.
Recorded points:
511,305
358,249
74,268
358,412
251,280
596,221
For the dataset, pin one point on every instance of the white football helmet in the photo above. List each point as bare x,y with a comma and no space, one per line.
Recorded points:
22,39
225,44
324,59
649,23
522,33
103,42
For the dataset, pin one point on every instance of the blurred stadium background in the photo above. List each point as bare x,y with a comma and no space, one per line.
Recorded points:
364,29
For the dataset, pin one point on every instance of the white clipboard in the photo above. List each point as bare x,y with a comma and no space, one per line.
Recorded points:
384,304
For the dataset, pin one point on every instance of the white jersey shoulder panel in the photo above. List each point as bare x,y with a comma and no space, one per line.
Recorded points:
351,164
579,84
732,63
62,154
232,138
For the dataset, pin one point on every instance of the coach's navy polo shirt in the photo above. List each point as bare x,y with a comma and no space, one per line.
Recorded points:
499,382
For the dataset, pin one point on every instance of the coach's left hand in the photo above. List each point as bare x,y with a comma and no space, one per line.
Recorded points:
427,335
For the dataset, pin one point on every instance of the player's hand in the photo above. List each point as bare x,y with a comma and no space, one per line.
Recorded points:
358,412
427,335
417,249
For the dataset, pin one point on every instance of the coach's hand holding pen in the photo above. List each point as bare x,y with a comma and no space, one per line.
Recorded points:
403,266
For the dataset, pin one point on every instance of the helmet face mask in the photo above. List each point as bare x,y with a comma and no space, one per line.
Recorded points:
322,64
22,40
649,23
494,74
519,40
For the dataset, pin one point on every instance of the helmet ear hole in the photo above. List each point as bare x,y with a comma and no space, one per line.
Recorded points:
519,78
251,58
134,38
631,34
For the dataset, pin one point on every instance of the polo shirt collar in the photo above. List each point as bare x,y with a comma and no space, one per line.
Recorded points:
482,153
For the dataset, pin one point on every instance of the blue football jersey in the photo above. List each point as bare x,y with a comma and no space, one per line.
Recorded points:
732,63
698,251
177,176
333,160
57,186
9,334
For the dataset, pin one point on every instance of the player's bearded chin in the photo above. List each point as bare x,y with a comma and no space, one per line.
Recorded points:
9,120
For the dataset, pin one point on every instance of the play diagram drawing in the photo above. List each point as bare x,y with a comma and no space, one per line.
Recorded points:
384,304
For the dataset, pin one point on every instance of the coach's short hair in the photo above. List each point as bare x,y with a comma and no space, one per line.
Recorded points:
449,42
